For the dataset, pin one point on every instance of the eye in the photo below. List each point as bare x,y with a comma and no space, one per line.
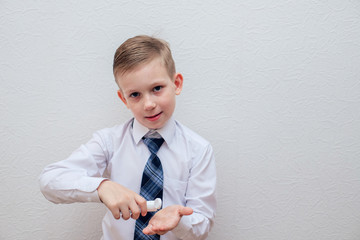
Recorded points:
157,88
134,94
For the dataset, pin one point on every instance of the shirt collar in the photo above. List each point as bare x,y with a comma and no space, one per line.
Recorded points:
167,132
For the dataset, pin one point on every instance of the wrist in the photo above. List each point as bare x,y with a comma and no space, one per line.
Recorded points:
98,188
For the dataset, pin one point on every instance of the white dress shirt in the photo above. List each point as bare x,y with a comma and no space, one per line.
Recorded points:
119,154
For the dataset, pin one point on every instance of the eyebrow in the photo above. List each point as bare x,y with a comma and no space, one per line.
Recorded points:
159,82
131,91
154,84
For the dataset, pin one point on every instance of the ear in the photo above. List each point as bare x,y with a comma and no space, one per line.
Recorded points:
178,81
121,96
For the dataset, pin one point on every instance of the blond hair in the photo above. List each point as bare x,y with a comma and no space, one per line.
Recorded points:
142,49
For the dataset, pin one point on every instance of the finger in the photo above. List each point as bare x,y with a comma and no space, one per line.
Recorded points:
116,214
135,210
153,229
148,230
141,202
185,211
114,210
125,213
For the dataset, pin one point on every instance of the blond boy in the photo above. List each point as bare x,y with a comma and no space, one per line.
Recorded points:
109,168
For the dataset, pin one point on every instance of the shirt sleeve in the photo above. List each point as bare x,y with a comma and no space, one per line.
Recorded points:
76,178
200,196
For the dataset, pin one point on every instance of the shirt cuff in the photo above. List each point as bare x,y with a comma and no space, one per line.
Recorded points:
89,189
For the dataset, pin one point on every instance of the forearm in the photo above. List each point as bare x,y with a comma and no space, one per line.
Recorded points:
76,178
69,188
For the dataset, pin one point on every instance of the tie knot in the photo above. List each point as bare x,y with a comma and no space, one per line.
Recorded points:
153,144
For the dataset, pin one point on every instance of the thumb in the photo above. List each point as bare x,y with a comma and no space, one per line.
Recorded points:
185,211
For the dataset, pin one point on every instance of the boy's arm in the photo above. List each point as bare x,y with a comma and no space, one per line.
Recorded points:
196,219
79,179
200,196
76,178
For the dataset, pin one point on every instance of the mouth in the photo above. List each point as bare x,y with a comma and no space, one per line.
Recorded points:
154,117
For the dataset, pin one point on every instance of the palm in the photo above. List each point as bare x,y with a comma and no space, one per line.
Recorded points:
166,219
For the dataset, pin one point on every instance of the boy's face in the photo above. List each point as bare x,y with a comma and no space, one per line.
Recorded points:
149,93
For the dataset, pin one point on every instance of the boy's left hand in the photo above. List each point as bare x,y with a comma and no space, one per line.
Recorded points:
166,219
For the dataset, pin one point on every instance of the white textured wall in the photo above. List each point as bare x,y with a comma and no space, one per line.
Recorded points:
274,85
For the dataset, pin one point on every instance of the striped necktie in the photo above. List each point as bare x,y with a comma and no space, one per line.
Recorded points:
151,185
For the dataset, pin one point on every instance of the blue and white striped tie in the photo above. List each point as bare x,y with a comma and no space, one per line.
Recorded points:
151,185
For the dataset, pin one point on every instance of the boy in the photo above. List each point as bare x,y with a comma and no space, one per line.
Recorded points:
112,167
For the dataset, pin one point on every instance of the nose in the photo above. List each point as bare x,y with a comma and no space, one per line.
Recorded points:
149,103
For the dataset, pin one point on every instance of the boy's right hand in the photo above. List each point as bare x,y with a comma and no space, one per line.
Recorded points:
119,199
